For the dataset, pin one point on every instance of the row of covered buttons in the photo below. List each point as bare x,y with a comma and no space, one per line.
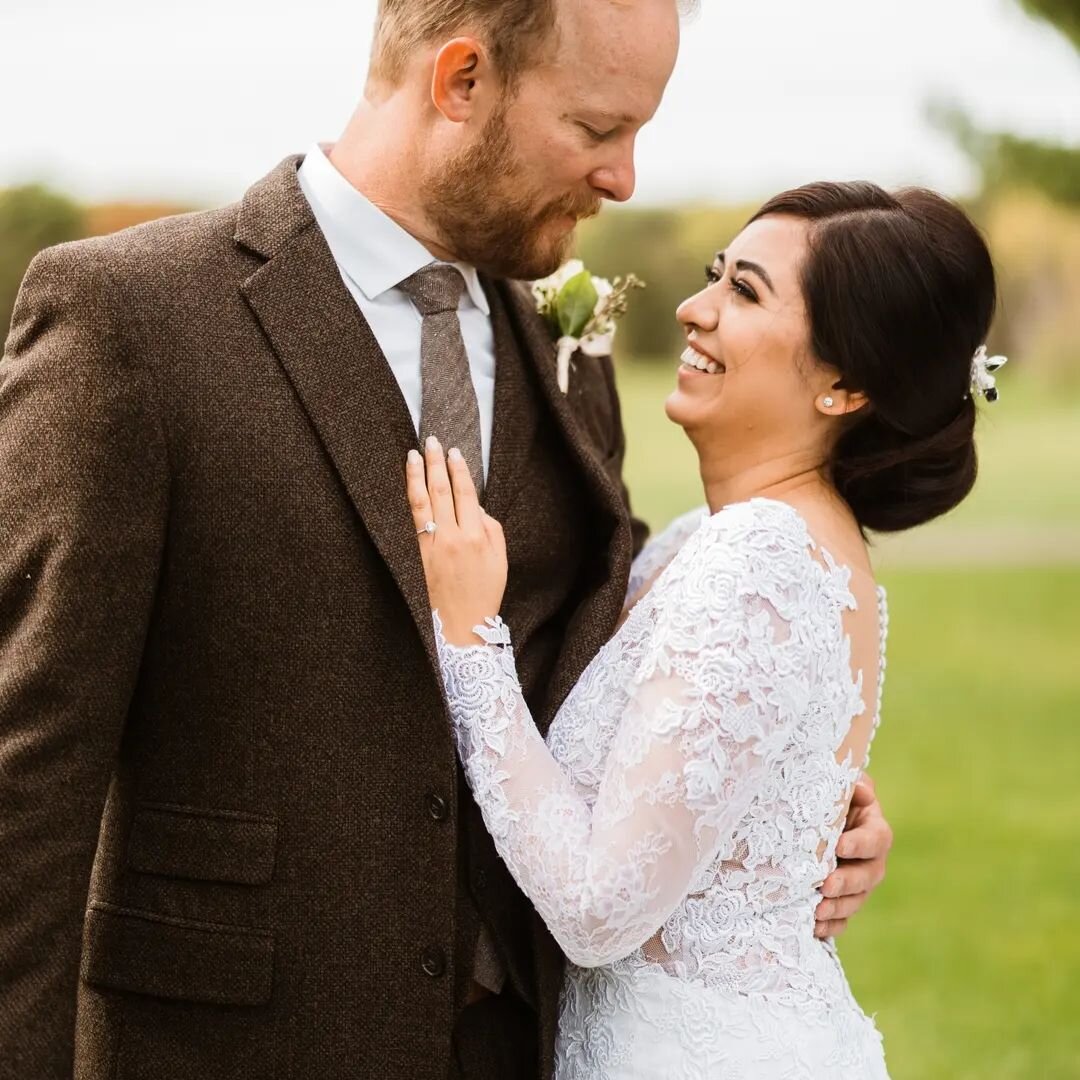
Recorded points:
433,959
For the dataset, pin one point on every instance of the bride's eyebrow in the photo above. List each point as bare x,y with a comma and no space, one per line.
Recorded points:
750,268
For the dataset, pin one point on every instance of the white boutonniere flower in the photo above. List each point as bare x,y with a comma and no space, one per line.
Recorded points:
582,311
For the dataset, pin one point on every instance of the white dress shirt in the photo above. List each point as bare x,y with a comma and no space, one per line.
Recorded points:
374,255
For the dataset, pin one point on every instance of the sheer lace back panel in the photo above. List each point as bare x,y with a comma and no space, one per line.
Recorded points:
691,793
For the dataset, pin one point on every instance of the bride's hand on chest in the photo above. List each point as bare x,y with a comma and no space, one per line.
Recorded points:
462,548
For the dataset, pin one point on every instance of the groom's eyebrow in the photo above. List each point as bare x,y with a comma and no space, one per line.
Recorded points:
614,119
749,267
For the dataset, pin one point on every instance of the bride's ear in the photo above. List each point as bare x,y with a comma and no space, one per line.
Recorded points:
839,401
460,66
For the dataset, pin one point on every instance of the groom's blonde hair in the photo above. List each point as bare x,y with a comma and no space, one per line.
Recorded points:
516,32
519,33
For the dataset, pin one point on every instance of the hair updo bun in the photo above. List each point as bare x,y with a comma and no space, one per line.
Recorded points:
900,293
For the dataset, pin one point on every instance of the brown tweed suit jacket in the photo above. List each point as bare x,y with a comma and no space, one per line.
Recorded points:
234,838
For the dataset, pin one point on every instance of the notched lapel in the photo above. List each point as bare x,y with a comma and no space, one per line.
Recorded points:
350,394
539,351
515,412
595,620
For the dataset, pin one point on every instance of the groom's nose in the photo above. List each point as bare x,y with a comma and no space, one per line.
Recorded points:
616,178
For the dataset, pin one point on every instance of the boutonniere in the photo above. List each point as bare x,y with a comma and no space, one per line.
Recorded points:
582,311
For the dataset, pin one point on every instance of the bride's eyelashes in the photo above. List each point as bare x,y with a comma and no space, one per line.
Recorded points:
714,277
744,290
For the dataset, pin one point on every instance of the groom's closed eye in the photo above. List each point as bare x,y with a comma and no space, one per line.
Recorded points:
602,125
599,136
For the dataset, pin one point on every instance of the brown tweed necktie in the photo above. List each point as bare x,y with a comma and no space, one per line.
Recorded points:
449,411
448,407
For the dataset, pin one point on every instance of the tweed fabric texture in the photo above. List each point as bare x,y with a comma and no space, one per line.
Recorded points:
234,835
448,409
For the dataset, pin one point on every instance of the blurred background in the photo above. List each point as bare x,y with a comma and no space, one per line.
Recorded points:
119,111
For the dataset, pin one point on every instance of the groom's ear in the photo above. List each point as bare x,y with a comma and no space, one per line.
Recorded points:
462,74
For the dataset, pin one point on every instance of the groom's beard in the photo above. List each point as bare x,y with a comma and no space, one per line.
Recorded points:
479,202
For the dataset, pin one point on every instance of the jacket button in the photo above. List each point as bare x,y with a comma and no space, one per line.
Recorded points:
433,962
437,807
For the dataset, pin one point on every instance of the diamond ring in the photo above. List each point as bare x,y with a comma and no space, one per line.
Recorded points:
428,529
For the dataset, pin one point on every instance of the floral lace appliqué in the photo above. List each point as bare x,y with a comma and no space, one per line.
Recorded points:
674,828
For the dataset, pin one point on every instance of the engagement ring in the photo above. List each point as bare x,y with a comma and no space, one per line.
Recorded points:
429,528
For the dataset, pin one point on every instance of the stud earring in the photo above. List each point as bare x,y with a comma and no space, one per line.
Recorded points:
828,402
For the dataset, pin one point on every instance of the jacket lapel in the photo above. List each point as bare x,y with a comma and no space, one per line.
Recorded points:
516,412
538,350
355,405
338,372
609,525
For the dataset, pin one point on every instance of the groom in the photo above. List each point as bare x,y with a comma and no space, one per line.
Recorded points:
234,838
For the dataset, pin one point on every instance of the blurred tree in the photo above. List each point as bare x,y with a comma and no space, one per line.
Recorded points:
1036,246
1064,14
103,218
31,218
1010,161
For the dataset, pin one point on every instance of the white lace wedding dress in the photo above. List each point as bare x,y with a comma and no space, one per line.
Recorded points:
675,827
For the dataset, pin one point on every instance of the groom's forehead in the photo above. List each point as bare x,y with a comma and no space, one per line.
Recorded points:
620,51
634,28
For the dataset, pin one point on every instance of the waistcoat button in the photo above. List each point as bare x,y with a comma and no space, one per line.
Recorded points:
433,961
437,807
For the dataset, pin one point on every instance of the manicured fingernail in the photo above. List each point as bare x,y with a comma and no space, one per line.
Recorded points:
455,455
415,458
432,443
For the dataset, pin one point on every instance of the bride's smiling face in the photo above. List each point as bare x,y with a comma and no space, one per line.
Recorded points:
749,328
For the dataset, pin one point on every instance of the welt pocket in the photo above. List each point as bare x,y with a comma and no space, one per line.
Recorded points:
202,845
142,952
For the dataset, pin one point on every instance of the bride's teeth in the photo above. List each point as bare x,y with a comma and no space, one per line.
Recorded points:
692,358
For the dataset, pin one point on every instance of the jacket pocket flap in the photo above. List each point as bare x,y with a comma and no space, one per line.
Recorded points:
204,845
145,953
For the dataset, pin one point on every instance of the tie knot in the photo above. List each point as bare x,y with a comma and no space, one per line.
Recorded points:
435,289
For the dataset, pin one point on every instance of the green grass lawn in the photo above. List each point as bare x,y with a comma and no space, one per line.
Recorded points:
970,952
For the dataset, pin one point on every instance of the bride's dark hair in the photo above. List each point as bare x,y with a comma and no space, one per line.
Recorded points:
900,292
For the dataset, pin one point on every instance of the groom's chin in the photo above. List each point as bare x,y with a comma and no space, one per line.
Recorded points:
510,248
527,265
549,253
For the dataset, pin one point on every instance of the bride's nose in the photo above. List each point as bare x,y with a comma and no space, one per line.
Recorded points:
698,312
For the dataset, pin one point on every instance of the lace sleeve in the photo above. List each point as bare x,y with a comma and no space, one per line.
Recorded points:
705,717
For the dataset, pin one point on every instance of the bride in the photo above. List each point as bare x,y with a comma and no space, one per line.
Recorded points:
674,828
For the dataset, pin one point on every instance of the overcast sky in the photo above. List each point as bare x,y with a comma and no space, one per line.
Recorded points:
192,101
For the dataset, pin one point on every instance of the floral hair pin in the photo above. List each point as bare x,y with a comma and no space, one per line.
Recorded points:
582,311
983,383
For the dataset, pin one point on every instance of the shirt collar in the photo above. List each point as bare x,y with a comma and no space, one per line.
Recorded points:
372,249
